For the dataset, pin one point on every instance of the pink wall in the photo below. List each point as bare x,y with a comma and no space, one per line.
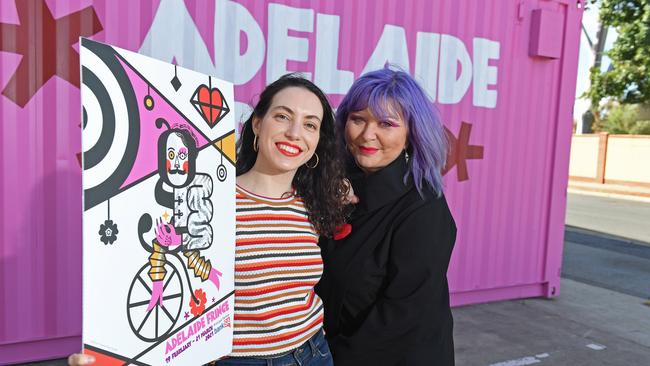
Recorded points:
512,125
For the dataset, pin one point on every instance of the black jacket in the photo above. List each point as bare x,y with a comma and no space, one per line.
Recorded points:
384,286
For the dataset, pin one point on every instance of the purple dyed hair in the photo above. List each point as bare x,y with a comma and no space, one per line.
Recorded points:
386,90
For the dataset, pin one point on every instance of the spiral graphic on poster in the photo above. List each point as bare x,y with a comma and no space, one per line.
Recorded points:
111,125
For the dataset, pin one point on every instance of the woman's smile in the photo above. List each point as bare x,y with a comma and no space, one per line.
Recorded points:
288,149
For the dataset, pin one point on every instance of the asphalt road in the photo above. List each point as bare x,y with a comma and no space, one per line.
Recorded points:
607,243
618,217
607,262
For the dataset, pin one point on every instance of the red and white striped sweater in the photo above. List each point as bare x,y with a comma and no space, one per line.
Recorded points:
277,265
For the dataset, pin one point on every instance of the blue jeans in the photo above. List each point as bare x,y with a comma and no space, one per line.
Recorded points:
314,352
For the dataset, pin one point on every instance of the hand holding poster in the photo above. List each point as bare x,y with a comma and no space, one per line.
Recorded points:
158,224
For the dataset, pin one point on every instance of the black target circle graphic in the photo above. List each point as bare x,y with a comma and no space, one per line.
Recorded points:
111,128
222,172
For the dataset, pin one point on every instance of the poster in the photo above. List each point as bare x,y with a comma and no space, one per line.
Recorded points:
158,210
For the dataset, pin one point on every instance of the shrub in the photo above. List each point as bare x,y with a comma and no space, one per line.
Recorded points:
624,119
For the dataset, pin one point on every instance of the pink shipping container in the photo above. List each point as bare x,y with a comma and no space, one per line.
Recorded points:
502,72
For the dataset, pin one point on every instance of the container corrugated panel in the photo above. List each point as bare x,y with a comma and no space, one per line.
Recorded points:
502,73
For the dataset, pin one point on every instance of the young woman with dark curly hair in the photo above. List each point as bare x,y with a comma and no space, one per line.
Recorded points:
318,181
290,190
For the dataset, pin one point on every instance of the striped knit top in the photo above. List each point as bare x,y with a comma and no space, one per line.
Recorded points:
277,265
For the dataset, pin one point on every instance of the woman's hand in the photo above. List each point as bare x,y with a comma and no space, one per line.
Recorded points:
79,359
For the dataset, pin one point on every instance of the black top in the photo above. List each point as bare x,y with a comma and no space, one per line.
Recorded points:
384,286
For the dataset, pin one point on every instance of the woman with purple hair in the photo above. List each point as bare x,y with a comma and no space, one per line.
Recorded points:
384,285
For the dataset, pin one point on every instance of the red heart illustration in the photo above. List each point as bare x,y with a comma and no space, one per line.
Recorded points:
211,103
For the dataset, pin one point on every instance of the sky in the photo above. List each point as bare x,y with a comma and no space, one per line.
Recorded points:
590,22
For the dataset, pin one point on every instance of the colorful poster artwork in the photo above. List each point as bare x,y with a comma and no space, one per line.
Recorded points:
158,198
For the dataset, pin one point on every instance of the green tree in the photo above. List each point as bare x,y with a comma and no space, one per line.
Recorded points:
628,80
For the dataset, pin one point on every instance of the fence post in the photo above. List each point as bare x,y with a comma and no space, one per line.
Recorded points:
602,156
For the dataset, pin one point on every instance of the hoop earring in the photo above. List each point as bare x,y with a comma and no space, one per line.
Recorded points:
315,165
255,145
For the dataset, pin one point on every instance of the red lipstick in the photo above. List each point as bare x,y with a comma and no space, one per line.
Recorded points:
288,149
367,150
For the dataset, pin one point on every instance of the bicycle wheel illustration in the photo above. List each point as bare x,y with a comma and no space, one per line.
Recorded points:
152,325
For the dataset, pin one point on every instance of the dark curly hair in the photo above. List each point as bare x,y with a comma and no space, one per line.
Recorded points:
322,188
